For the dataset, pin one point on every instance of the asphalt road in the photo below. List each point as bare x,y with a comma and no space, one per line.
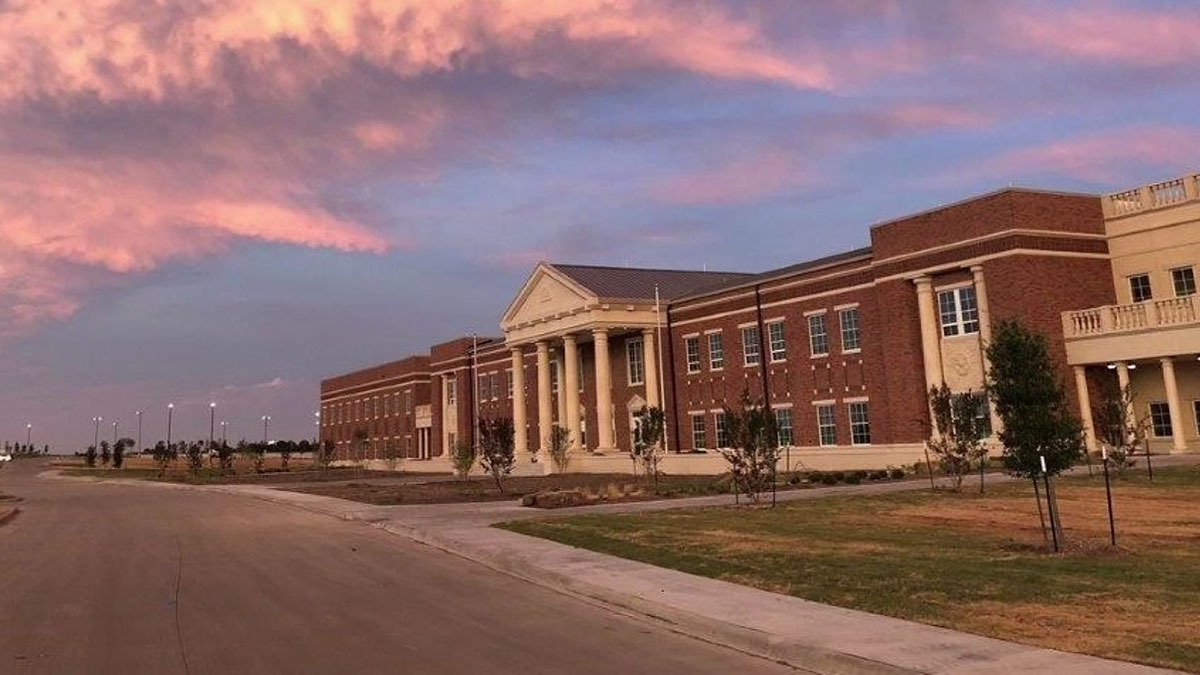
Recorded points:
99,579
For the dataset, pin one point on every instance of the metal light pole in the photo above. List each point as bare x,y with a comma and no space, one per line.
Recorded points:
212,416
170,414
139,439
317,422
115,422
96,438
266,423
28,436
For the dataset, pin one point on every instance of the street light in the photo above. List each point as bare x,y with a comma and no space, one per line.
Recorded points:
224,426
170,414
115,422
212,412
266,424
139,445
28,435
317,422
96,440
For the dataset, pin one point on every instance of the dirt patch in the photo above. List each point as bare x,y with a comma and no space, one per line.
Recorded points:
7,514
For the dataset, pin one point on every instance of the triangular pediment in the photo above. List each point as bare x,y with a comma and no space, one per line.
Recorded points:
546,293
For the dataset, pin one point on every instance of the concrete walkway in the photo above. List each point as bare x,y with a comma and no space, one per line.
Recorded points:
808,635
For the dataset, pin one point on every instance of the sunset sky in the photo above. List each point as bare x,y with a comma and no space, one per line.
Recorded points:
217,200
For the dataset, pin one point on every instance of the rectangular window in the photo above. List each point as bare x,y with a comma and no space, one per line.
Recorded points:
783,424
848,320
826,425
494,384
1184,280
722,434
818,338
636,367
699,433
959,311
508,376
1160,419
751,349
716,351
1139,287
692,347
408,402
983,415
1196,414
483,388
451,391
778,341
860,424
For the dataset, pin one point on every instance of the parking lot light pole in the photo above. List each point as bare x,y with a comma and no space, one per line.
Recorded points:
170,414
28,437
139,438
266,424
96,436
212,416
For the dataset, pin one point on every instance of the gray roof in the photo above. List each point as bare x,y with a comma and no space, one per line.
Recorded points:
639,283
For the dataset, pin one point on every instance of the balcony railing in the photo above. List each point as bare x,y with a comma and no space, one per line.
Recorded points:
1152,196
1113,319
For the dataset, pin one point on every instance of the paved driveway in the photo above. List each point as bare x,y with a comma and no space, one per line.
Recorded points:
98,578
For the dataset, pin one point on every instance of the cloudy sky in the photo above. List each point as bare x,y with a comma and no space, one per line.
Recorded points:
220,200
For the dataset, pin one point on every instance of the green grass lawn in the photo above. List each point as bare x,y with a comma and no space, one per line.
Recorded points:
965,561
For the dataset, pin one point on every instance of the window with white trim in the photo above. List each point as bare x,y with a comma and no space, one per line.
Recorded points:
860,423
722,432
751,349
778,341
818,336
699,433
494,383
826,425
1160,419
716,351
958,311
691,346
1139,288
848,322
508,376
483,388
635,366
451,391
783,426
1184,280
408,402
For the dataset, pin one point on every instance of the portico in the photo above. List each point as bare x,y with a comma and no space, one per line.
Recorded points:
570,325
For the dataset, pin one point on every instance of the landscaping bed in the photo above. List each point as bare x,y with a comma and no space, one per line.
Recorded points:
964,561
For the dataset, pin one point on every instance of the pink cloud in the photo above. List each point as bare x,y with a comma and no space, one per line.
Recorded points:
1104,156
1109,34
739,180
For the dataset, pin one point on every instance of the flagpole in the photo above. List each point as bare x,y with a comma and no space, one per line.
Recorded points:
662,383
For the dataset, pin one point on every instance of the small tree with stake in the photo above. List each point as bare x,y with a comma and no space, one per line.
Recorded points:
496,452
1032,402
163,455
1117,426
959,441
648,448
754,450
105,453
559,447
89,457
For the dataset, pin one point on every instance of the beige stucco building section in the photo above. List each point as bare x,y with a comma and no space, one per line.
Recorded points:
557,315
1151,230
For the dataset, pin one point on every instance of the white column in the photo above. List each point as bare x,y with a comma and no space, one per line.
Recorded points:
545,415
520,424
650,361
1173,404
604,418
561,403
1085,408
931,342
446,449
985,339
570,385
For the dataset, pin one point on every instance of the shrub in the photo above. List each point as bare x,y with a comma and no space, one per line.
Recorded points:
558,445
754,450
497,453
838,476
90,456
463,458
830,478
854,478
862,475
897,474
877,475
814,476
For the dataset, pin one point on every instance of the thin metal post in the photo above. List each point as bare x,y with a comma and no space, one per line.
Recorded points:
1112,523
1050,511
1041,518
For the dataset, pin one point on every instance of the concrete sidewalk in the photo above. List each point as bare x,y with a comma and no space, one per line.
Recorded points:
810,636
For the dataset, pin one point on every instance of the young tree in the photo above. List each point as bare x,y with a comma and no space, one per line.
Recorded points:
754,451
1118,427
958,444
647,450
559,447
496,452
195,455
284,448
105,453
225,456
326,453
118,456
256,453
360,445
462,455
1032,402
163,455
89,457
